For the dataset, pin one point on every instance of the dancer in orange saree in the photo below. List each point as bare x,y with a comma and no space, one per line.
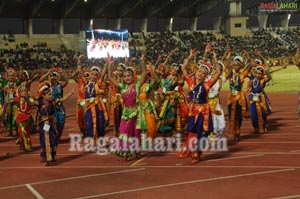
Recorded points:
237,101
146,108
199,123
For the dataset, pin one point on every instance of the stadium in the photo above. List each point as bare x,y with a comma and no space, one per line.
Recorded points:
149,99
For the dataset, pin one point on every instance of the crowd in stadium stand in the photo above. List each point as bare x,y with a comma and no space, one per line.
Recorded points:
291,37
161,43
37,57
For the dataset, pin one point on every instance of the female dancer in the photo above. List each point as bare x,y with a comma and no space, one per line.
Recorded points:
24,119
116,97
199,123
214,99
237,102
57,86
130,136
146,108
259,107
95,111
167,115
10,87
215,104
181,103
47,126
81,78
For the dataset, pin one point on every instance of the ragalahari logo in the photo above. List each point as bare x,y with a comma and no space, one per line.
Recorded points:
280,6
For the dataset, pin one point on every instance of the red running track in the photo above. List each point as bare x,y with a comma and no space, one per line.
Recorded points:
259,166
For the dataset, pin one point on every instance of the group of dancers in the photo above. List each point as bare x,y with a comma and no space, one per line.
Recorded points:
17,106
141,102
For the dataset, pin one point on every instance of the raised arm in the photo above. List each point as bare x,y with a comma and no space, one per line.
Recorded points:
109,62
159,58
66,97
226,61
246,57
268,76
78,70
273,70
64,81
168,57
35,77
21,71
154,74
132,60
75,75
260,56
216,64
144,70
127,62
224,57
208,49
111,78
44,76
5,66
186,62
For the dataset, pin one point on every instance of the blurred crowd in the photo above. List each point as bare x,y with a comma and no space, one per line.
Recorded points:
273,44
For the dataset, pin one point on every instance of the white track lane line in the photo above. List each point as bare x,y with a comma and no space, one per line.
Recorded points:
286,197
248,156
73,178
295,151
268,142
184,183
34,192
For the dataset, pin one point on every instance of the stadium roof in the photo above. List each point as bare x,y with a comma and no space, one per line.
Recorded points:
88,9
91,9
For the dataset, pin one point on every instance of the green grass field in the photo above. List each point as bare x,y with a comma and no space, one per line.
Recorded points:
285,80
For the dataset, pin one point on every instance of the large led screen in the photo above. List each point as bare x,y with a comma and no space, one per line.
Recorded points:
102,42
